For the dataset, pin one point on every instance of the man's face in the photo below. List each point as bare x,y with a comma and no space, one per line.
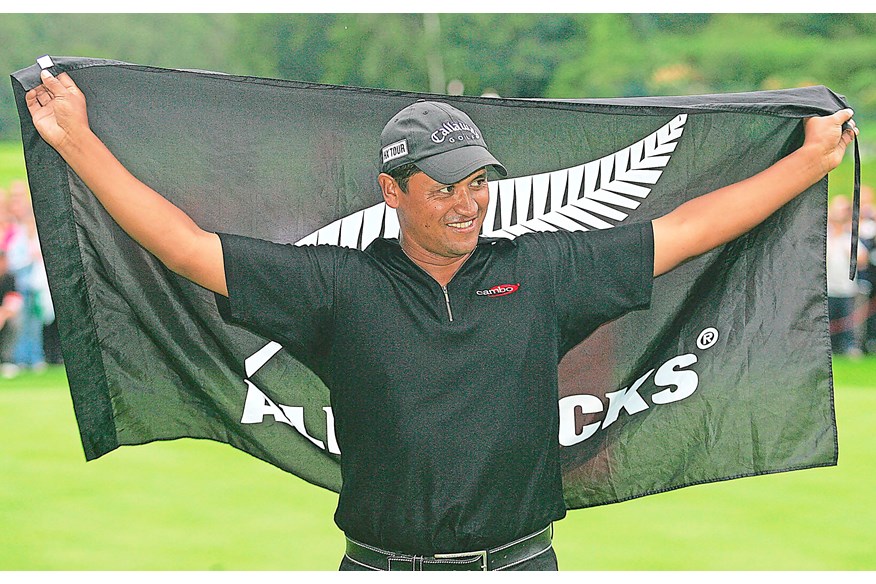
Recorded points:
441,220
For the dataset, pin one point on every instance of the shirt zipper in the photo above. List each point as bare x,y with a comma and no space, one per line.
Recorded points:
447,301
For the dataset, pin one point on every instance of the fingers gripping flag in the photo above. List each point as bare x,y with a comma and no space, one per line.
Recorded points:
727,375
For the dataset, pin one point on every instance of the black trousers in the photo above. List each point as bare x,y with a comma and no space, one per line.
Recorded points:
546,562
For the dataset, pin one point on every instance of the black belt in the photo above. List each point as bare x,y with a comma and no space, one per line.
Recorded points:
497,558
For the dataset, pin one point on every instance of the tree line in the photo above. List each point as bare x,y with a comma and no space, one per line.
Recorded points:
512,55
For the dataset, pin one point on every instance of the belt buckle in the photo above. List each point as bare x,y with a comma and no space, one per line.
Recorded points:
482,554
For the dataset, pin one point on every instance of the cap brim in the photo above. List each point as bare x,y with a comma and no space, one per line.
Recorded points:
453,166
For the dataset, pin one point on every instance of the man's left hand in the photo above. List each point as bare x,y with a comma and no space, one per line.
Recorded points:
826,139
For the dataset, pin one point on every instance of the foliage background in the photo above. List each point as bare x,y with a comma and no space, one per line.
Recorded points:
514,55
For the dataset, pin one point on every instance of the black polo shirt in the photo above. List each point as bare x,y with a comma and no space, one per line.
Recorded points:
445,401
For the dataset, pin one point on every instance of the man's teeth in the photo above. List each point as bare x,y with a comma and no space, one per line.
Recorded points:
462,225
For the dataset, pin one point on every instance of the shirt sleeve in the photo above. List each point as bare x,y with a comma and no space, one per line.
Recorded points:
280,291
599,276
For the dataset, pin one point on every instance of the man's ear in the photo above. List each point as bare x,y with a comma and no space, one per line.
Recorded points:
390,188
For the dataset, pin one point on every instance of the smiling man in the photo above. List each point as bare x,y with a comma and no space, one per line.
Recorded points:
433,173
440,348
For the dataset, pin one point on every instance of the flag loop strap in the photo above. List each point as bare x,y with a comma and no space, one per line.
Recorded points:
856,213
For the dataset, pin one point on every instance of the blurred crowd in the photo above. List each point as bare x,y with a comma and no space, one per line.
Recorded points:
28,334
852,303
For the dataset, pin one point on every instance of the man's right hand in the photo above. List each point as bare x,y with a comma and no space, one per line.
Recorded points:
59,115
57,108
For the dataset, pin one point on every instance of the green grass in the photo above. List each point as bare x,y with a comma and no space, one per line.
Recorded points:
842,179
198,505
11,163
177,505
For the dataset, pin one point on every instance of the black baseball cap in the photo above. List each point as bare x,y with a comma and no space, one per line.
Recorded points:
441,140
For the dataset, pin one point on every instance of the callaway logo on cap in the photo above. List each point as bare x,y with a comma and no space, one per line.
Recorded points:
441,140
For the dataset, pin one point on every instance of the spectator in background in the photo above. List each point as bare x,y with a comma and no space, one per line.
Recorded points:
867,273
25,263
10,306
842,292
19,241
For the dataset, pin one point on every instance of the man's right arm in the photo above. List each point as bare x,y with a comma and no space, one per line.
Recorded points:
59,115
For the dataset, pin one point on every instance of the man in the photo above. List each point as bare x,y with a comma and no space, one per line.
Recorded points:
432,478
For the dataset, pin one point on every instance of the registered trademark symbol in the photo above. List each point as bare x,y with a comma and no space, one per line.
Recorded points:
707,338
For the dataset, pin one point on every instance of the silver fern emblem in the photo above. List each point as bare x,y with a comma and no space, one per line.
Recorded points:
593,195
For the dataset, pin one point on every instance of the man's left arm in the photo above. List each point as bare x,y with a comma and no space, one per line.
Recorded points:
713,219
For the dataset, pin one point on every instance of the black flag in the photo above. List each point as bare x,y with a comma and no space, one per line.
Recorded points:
727,375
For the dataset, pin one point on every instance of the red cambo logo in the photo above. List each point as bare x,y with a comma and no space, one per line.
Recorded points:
500,290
